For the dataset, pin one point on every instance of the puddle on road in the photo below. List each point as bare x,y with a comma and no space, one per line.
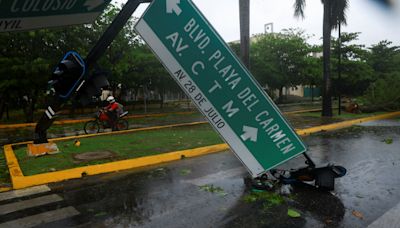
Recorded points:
316,209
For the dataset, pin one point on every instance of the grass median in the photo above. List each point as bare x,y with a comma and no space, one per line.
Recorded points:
120,147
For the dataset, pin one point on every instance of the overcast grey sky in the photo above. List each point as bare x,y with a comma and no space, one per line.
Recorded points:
375,23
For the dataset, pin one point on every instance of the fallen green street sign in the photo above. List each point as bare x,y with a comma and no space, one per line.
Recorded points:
221,87
16,15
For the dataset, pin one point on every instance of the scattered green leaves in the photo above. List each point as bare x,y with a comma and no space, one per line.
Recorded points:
268,198
185,172
293,214
388,141
100,214
213,189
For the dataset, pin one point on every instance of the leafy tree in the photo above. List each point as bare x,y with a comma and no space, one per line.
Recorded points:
278,59
23,72
147,72
384,58
334,14
383,93
28,58
312,69
356,73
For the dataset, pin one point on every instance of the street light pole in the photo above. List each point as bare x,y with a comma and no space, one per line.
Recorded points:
244,14
339,70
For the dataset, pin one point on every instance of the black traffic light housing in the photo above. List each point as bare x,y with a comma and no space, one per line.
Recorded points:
69,75
93,88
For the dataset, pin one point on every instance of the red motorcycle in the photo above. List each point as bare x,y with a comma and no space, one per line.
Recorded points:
103,121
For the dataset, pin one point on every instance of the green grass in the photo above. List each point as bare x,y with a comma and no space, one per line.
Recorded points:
126,146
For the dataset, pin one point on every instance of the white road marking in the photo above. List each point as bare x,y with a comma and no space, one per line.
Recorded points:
24,192
21,205
46,217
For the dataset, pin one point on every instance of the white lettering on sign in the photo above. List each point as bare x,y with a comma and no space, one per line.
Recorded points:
177,42
228,109
282,142
197,65
199,37
10,25
225,71
25,6
214,87
248,98
211,114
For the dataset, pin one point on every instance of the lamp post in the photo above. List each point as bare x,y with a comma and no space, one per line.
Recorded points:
244,14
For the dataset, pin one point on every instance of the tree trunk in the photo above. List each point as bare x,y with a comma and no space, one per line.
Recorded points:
280,99
312,92
162,94
326,90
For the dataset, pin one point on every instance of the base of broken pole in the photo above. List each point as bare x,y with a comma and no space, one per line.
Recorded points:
35,150
322,178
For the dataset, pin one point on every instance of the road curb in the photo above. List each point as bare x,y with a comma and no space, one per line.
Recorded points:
20,181
5,189
344,124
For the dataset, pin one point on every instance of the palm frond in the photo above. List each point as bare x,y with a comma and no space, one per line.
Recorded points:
338,12
299,6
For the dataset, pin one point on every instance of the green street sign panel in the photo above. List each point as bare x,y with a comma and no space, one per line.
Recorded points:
17,15
220,86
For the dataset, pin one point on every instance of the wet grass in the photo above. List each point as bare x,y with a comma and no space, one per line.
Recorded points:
124,146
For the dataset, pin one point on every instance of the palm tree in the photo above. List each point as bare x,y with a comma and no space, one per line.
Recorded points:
334,14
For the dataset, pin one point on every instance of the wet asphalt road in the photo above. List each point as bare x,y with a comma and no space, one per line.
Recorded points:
178,194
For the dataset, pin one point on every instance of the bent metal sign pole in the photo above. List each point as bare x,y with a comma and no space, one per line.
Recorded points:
220,86
17,15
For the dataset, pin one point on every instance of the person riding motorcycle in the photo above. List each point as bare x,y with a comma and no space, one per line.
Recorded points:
112,111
